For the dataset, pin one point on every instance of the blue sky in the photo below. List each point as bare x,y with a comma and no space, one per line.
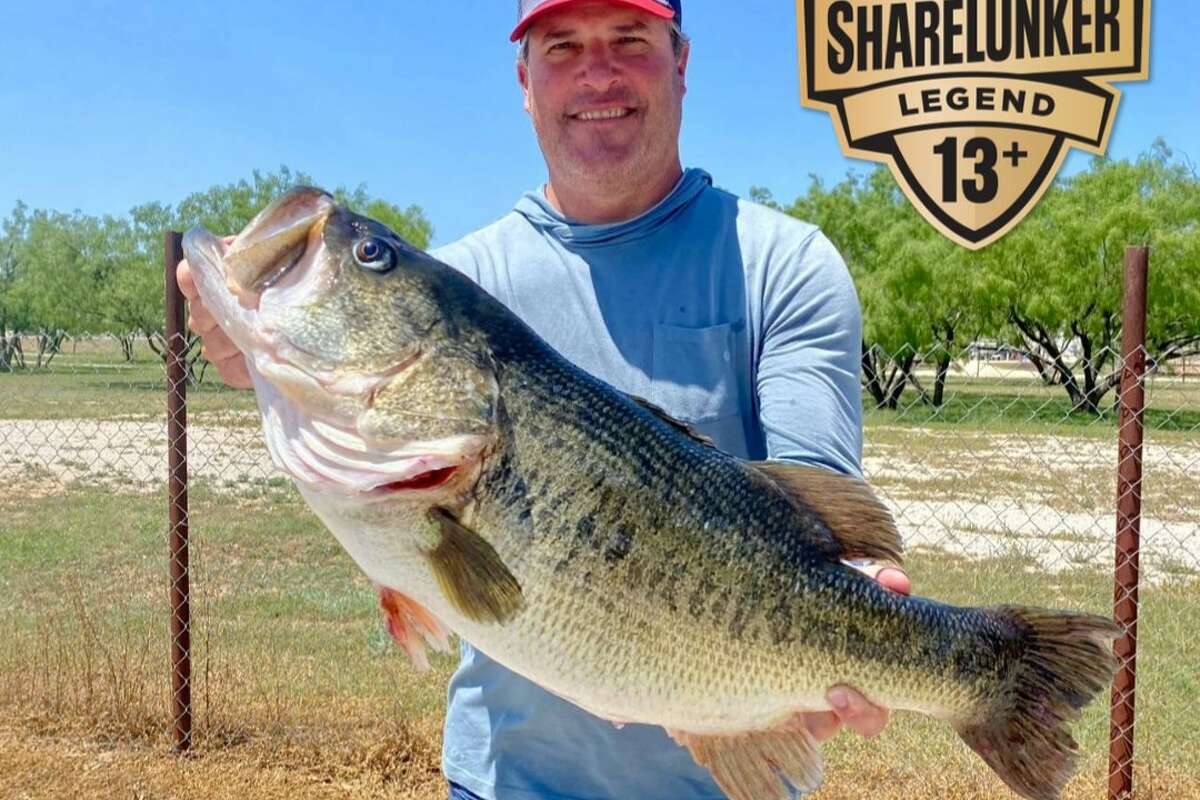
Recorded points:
107,105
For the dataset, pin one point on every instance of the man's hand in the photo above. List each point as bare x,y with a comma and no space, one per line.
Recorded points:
217,347
850,708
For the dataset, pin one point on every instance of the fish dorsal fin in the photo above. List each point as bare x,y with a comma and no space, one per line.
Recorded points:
677,424
859,522
471,573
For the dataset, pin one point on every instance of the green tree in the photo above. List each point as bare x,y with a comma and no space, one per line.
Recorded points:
13,316
60,260
1062,271
64,274
130,299
926,300
923,297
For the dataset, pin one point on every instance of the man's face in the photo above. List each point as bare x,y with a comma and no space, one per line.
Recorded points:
605,92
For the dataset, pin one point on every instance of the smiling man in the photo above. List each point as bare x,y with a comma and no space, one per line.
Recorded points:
735,318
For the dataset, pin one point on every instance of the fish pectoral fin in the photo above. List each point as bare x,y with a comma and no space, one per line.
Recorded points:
471,573
412,626
758,765
861,524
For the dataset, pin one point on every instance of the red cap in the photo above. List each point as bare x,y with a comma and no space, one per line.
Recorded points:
530,10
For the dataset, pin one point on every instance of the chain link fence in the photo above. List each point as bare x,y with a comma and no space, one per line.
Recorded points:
1002,493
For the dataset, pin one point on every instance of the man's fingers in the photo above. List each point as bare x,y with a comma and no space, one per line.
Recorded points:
234,373
856,712
895,579
887,573
183,276
850,708
199,318
822,724
218,347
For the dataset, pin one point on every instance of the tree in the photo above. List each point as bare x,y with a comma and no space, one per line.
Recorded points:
1062,271
60,260
926,301
66,274
853,213
131,297
12,309
921,295
1052,286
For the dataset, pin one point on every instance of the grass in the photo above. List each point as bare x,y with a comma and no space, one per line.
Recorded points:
1023,404
294,680
90,379
299,693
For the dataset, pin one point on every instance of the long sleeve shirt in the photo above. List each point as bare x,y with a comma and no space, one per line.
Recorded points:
733,317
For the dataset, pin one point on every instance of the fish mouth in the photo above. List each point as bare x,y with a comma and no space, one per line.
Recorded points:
275,241
309,404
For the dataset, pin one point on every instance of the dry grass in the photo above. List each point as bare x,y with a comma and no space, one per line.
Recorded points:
299,694
403,765
397,765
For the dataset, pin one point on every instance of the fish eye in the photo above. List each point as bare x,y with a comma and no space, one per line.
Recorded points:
374,254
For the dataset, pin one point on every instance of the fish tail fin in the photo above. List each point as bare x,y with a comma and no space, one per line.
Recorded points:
1065,660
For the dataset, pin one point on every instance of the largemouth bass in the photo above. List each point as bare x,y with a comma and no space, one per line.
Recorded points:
589,542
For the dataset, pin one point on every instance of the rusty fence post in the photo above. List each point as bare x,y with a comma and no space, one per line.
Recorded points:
1129,515
177,514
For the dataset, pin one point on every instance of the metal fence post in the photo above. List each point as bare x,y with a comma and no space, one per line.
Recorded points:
177,475
1129,513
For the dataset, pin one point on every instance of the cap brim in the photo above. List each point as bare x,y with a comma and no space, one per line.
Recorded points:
649,6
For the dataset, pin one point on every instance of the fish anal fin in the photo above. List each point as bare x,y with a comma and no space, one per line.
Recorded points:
860,523
758,765
677,424
471,573
412,626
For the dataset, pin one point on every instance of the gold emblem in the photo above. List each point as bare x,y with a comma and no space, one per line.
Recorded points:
973,104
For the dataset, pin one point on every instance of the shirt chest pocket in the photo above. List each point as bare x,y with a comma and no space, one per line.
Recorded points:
695,371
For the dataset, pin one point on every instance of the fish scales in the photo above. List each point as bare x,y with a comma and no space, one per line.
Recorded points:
672,548
589,542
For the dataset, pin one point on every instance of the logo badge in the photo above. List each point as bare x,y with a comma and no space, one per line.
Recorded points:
972,104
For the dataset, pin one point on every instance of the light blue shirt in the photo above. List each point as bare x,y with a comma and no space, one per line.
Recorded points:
731,316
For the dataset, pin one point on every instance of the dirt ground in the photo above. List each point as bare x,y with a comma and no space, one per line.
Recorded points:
1048,497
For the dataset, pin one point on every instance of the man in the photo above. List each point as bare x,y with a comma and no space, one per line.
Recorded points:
735,318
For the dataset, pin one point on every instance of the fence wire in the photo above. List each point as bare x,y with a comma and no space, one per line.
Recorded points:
1003,493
